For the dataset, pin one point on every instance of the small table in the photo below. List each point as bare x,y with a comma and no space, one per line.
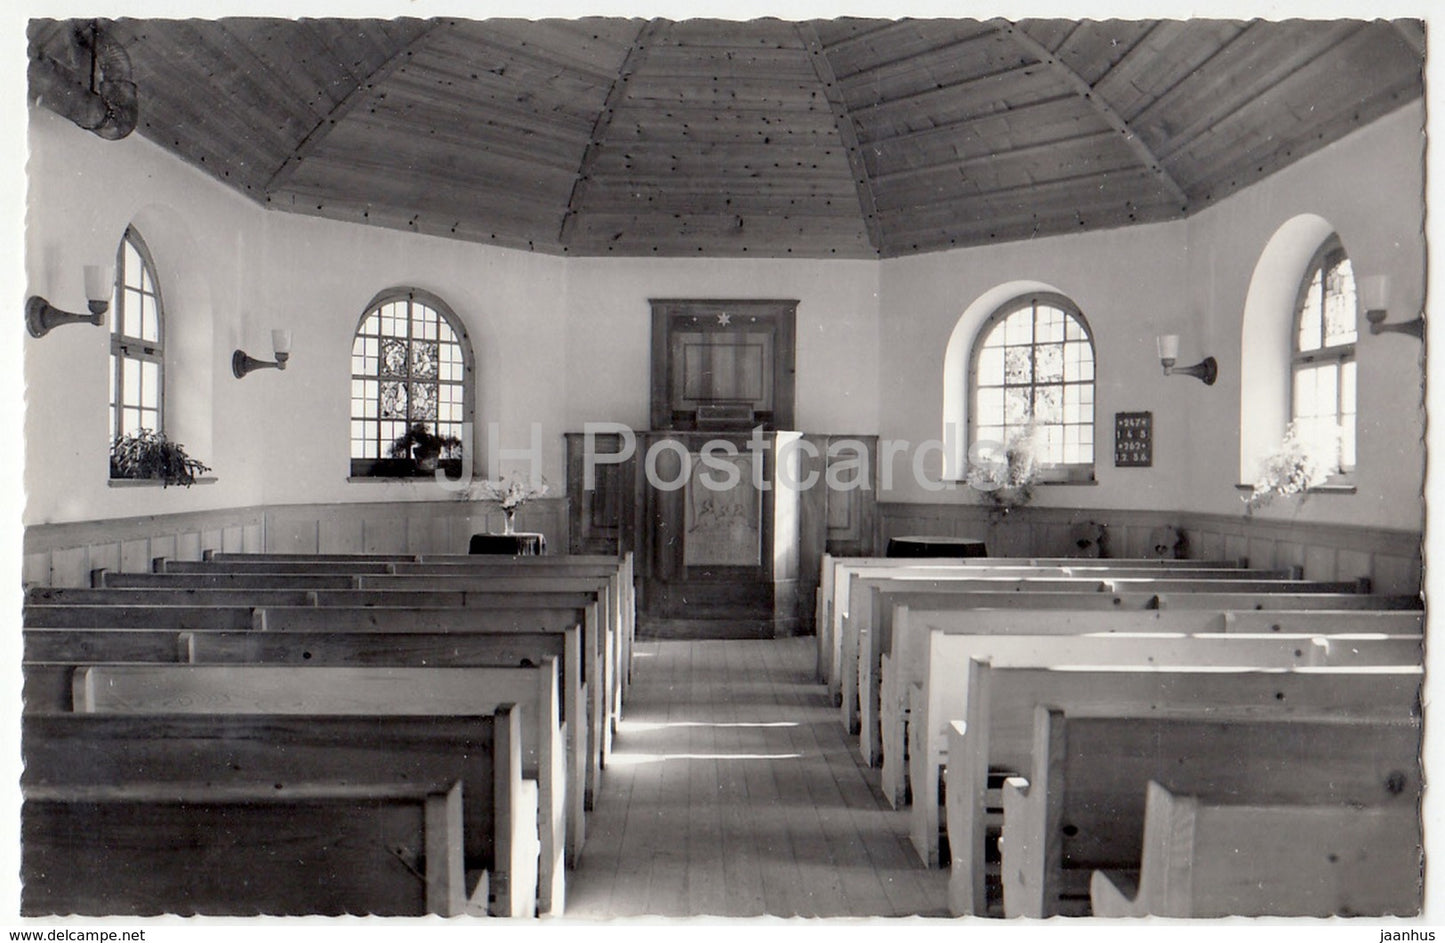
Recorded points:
916,545
516,545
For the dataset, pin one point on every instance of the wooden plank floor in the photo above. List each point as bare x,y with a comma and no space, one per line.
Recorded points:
734,792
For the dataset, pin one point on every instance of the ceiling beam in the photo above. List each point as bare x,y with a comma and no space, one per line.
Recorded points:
616,94
1086,91
356,96
846,131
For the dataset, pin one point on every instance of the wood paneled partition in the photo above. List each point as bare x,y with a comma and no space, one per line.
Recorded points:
405,526
65,554
1391,559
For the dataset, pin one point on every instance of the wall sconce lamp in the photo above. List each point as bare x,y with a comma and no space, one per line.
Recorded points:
1375,299
41,315
243,363
1206,369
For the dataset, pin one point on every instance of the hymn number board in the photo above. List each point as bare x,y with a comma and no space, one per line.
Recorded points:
1133,440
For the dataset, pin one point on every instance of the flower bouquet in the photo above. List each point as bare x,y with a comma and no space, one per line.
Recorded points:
1006,480
509,494
1297,466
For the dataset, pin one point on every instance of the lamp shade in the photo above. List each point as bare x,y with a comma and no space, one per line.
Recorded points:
1168,346
1375,292
99,282
281,341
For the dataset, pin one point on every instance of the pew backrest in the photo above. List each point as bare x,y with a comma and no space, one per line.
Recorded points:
287,753
989,726
1081,806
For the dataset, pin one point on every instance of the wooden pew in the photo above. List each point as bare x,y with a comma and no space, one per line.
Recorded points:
532,586
1211,858
272,689
1082,806
622,564
993,728
951,656
859,639
903,667
839,603
338,648
325,849
230,814
513,612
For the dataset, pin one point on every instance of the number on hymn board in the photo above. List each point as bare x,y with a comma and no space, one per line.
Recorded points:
1133,440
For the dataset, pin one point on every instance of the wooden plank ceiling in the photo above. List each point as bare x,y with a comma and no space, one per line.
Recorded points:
706,138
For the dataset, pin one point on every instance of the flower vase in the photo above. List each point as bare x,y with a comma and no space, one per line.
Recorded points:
509,521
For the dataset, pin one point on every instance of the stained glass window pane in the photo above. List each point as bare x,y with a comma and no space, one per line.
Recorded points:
1016,405
1017,368
393,400
1339,302
393,357
423,360
1049,363
423,401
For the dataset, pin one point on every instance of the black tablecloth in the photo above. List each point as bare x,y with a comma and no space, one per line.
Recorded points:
925,546
516,545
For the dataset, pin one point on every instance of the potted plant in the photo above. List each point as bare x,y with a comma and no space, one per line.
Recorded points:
151,456
419,450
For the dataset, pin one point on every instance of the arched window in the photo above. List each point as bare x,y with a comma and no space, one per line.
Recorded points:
137,342
1033,363
1322,401
411,362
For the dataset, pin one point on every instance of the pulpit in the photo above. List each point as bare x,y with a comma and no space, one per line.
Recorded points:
728,521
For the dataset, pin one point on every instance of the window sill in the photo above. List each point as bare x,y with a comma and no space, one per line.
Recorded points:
1317,489
154,482
399,479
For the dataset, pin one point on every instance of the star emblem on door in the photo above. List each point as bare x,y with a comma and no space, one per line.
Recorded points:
724,319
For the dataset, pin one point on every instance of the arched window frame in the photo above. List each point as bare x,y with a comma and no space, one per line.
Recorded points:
368,422
137,360
1054,469
1338,357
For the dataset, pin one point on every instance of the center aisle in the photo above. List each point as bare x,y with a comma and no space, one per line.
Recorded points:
733,791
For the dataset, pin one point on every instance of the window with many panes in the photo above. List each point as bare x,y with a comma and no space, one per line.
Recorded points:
411,362
1033,366
1323,364
137,342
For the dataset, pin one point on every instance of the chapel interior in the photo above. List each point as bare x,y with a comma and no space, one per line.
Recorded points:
736,393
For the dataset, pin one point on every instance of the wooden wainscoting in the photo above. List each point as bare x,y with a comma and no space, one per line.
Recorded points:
65,554
1391,559
404,526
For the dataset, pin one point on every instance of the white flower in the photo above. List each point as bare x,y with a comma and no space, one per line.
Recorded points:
1305,459
508,493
